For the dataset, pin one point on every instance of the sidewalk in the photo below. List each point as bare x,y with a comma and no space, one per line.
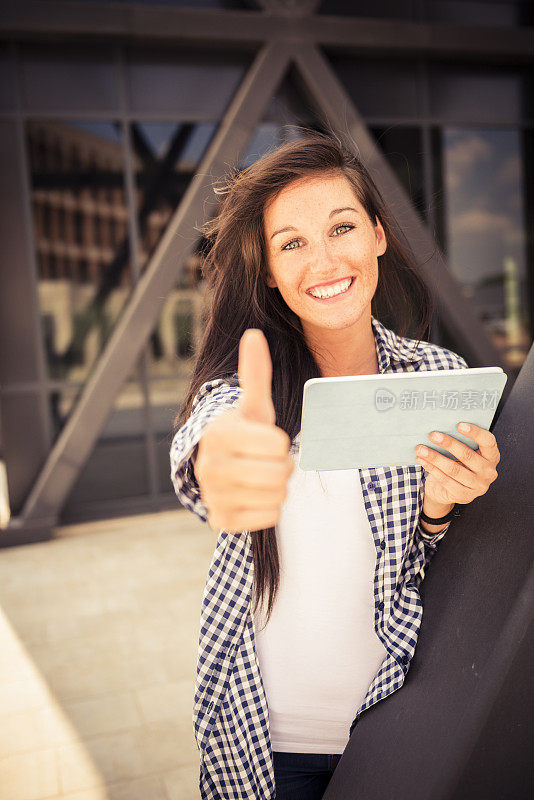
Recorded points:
98,644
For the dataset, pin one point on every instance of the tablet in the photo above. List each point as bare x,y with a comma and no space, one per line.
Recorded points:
378,420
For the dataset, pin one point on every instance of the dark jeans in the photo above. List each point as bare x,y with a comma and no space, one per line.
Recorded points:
303,776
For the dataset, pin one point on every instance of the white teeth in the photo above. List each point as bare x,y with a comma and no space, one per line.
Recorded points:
330,291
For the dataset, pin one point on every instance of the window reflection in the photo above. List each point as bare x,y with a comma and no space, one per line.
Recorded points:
484,198
80,228
269,135
195,82
403,148
166,155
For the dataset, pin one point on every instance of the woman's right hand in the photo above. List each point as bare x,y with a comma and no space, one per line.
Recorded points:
243,463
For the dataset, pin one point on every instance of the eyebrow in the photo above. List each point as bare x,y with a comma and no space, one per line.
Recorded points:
332,213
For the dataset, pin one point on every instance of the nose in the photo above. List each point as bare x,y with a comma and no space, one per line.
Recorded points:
320,257
320,261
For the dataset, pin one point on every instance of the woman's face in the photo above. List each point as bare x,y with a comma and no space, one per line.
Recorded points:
317,233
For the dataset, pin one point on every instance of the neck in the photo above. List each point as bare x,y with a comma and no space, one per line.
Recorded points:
346,352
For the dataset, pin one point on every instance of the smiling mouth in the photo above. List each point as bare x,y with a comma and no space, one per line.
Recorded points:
334,296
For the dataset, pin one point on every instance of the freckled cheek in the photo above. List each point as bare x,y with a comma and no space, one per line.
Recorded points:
360,253
291,292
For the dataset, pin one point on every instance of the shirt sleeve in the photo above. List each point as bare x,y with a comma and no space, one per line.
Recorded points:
425,544
212,399
431,539
420,555
462,363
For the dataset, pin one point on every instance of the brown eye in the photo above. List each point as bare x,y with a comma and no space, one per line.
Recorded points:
287,247
345,225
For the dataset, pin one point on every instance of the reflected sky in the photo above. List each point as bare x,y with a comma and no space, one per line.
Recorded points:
160,134
104,130
484,202
157,134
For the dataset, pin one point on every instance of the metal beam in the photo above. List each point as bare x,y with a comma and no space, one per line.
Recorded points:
289,7
340,116
78,437
61,21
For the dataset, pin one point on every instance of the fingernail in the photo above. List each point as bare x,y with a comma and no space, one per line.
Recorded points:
463,426
436,436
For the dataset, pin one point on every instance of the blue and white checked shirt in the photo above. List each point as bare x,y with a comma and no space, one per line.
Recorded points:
230,713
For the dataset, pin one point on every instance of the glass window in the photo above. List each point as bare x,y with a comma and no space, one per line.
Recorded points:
381,89
61,223
117,466
478,12
403,148
471,94
116,470
485,231
84,279
78,226
290,106
175,339
8,99
266,137
269,135
97,230
166,156
173,347
69,78
195,86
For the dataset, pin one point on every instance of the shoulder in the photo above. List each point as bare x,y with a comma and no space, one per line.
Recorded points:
218,391
427,355
412,355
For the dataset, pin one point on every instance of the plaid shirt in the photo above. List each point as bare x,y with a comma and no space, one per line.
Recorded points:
230,713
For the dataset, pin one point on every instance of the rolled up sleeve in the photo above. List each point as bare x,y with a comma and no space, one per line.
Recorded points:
212,399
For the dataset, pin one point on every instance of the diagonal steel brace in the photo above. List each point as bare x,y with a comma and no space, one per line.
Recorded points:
87,419
340,116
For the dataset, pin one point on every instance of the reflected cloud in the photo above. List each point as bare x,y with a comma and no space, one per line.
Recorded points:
463,155
509,173
485,228
479,221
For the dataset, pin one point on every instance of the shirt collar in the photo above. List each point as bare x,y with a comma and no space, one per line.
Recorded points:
391,346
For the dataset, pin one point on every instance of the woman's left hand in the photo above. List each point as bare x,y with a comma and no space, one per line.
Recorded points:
460,481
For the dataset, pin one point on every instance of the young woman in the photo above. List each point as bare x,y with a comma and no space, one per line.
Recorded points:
311,609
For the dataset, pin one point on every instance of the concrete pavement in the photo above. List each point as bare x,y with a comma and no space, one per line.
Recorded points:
98,643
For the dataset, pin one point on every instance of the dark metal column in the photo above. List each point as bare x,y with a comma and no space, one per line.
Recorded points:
24,414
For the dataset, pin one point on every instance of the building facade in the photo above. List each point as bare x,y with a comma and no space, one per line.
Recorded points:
116,120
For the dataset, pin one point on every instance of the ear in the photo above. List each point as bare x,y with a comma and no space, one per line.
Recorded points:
270,281
381,243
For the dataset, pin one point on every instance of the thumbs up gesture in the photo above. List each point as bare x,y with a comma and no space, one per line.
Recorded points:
243,463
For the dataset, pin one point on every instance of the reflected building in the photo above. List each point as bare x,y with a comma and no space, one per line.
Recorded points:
83,259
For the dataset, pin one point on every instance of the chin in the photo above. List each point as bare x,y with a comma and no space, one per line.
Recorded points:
339,324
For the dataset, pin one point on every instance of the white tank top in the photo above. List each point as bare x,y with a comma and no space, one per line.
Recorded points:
319,652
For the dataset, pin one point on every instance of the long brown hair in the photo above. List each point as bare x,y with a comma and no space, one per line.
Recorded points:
235,268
